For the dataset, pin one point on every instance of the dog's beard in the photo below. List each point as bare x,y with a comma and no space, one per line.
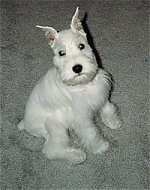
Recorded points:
80,79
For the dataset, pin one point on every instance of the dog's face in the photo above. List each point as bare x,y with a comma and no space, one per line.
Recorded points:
73,56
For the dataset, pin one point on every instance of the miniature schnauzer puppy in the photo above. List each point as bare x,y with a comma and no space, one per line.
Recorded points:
68,95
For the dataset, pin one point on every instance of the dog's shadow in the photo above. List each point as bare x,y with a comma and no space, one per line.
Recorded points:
90,41
97,55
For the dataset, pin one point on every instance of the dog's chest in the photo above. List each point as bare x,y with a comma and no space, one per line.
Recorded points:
86,97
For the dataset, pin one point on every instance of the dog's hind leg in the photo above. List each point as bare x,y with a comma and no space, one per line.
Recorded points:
57,145
110,116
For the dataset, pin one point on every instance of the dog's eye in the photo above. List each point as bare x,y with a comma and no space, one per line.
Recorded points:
81,46
62,53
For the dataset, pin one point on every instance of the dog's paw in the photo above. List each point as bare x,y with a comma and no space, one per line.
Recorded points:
100,147
113,122
21,125
75,156
72,155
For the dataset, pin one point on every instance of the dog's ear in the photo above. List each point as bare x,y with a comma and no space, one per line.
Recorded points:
76,24
50,33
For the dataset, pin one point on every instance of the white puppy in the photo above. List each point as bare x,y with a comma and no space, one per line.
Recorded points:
66,97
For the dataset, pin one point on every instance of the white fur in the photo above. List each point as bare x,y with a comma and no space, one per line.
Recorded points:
63,99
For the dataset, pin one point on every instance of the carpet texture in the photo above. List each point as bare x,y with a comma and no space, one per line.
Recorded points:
120,32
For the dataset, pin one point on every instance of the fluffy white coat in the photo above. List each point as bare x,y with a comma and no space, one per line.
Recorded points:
66,97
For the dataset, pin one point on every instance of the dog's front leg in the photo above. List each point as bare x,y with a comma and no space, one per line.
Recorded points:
57,144
90,137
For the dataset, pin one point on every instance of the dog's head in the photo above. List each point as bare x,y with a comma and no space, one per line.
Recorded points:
73,57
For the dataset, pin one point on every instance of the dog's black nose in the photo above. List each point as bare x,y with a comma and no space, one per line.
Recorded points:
77,68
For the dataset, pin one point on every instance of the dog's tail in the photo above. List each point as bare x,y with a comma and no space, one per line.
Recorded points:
21,125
